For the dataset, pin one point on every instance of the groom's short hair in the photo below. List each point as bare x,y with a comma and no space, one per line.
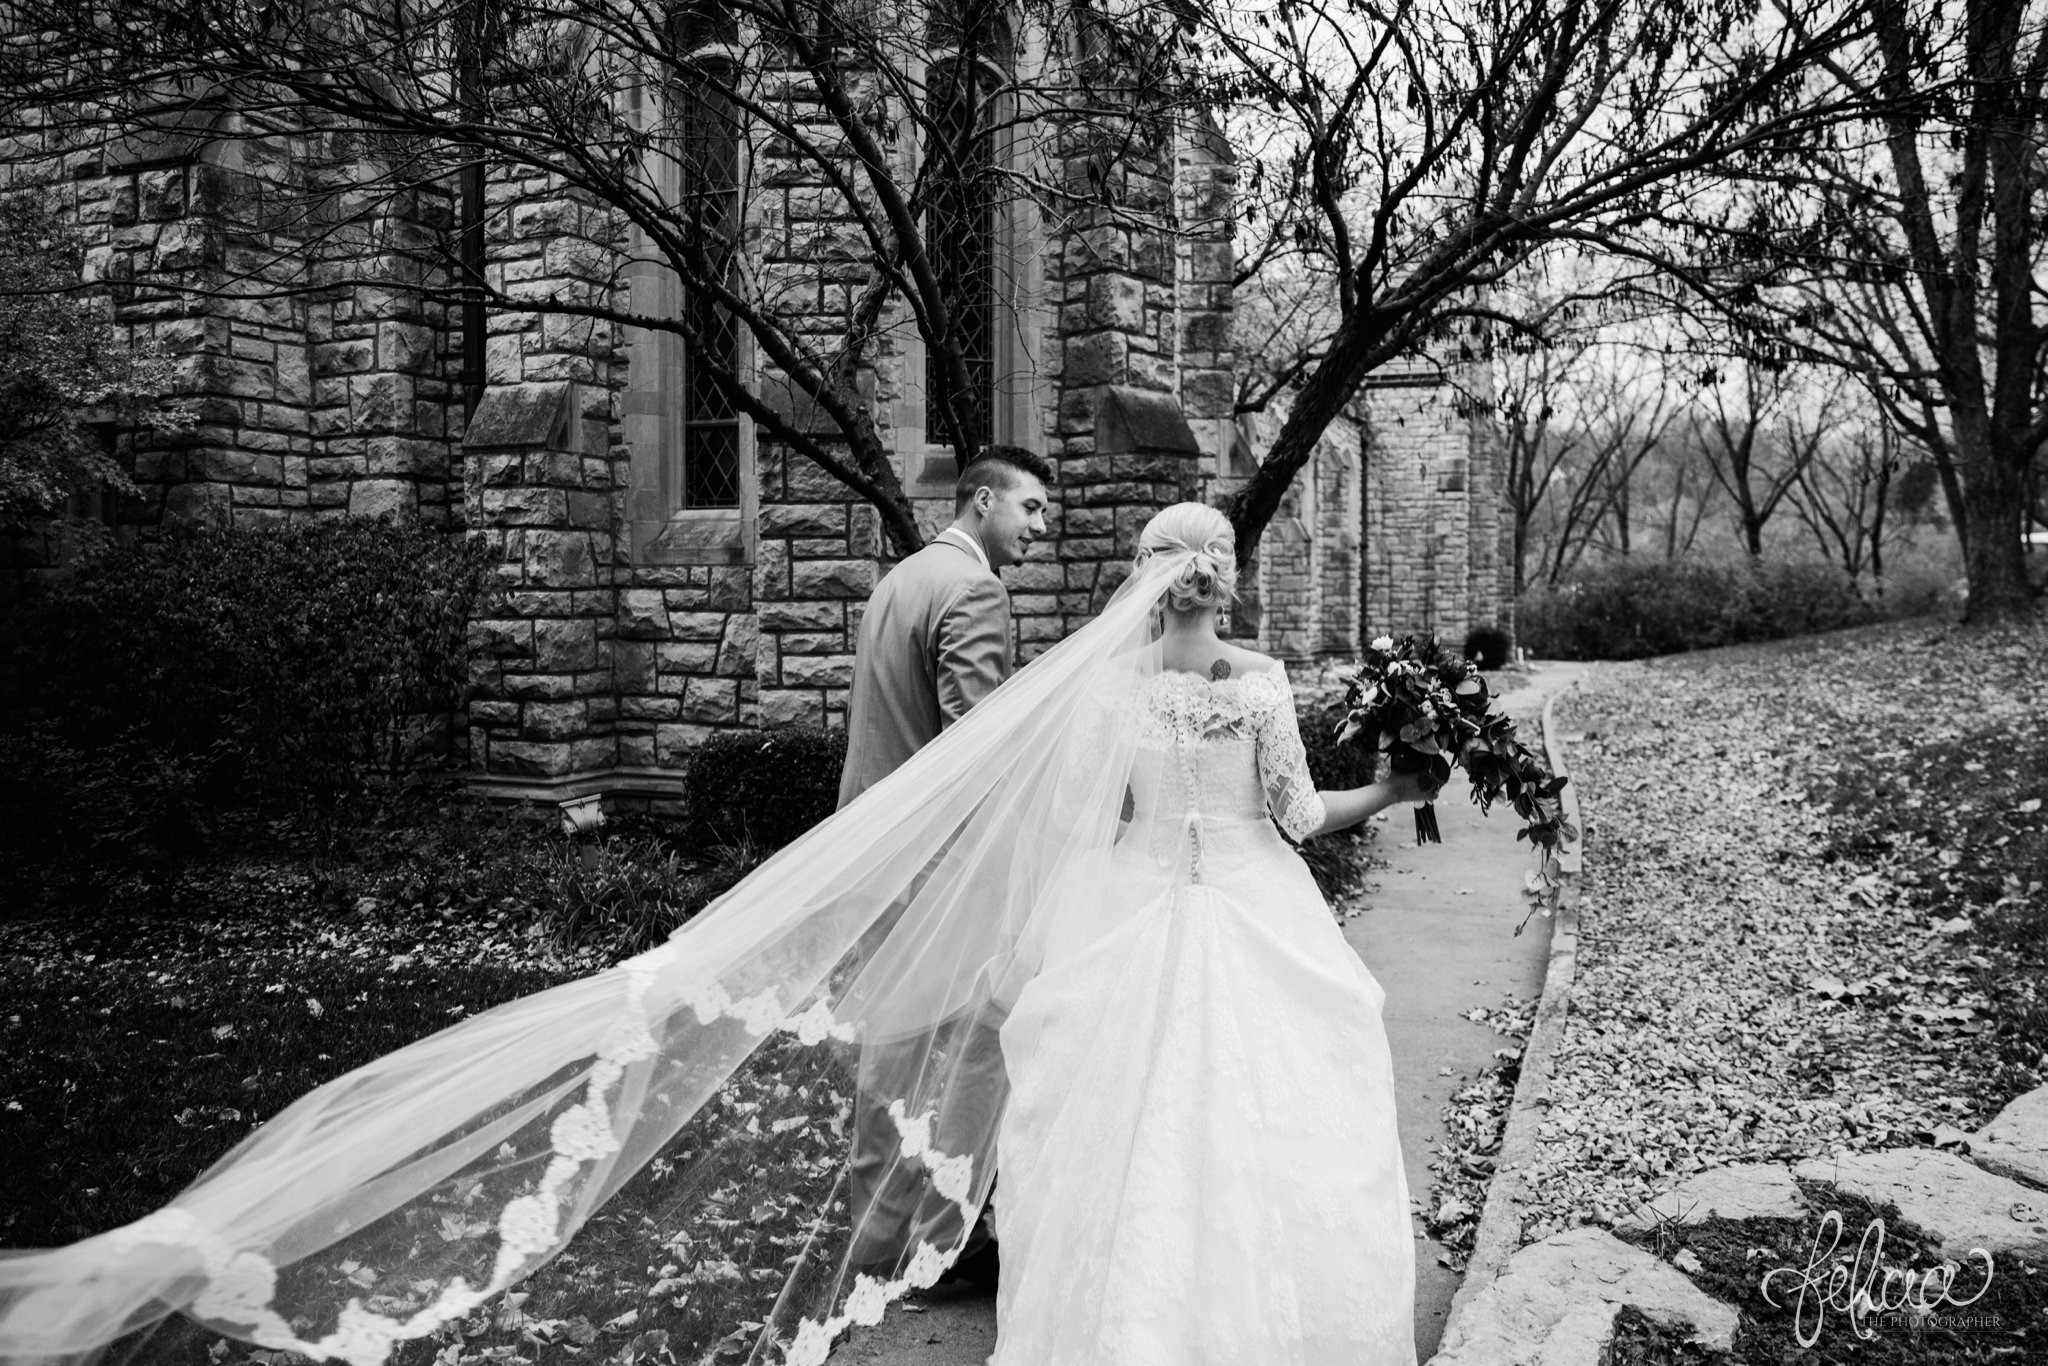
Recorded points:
999,468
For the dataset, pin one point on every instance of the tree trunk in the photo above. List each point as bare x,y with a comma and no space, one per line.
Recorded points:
1994,558
1321,401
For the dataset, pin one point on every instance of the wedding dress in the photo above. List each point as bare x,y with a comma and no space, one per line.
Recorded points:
1225,1184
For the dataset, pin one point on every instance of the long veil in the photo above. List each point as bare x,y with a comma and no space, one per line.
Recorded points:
893,937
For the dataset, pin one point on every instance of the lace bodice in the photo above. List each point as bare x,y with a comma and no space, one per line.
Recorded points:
1215,754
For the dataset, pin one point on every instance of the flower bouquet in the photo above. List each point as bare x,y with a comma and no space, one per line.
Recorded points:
1428,711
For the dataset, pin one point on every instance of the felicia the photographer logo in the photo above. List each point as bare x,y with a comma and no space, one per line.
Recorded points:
1872,1294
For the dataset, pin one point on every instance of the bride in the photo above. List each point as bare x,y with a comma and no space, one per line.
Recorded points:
1074,917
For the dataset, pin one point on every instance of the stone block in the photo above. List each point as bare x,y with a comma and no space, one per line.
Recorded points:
673,743
637,751
697,625
649,708
528,758
1749,1190
1115,301
1208,394
394,498
524,507
500,638
817,671
642,614
1098,358
803,519
564,644
492,713
380,402
2015,1142
832,579
729,588
1555,1303
711,701
771,571
736,651
406,456
790,707
559,559
633,666
344,358
801,616
1961,1204
554,720
242,467
688,656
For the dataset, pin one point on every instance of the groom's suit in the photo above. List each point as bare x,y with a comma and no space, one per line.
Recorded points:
935,641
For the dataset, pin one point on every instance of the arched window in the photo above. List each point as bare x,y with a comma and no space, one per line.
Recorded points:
693,494
708,203
970,57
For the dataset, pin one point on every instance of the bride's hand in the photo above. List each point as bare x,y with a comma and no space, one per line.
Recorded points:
1410,787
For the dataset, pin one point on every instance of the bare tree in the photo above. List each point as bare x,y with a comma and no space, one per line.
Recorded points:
1760,435
1576,421
1845,494
1905,246
1427,148
685,127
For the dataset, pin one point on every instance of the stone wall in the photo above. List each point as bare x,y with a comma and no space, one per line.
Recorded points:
609,653
308,399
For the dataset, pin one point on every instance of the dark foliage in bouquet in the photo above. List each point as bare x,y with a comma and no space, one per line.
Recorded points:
1427,711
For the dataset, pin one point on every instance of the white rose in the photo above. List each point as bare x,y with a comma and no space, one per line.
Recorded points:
1382,643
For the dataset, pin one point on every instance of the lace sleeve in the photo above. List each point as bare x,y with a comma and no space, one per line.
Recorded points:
1283,764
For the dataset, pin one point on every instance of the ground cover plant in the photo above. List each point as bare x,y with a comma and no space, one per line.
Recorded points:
1812,917
156,1013
1728,1259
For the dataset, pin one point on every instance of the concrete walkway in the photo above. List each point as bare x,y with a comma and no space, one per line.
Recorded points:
1437,930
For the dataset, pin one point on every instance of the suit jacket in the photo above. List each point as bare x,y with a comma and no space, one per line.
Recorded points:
935,641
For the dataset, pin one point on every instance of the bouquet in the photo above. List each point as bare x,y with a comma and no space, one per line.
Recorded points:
1428,711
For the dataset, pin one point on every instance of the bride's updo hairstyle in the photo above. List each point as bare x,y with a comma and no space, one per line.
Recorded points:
1209,579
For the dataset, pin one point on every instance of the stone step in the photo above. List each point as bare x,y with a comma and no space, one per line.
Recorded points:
1748,1190
2015,1142
1958,1202
1554,1303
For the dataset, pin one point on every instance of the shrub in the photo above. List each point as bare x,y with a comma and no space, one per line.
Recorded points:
1632,608
68,818
1333,765
298,658
630,894
1487,646
761,788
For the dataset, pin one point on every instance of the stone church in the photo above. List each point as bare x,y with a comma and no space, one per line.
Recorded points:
666,573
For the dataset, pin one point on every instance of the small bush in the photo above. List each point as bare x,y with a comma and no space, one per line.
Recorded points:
68,818
761,788
300,658
1633,608
1487,646
630,894
1333,765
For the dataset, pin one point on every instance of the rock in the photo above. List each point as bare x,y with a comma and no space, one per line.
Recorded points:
1555,1301
2015,1144
394,498
1750,1190
1963,1205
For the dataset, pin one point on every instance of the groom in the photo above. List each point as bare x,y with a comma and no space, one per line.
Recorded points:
935,641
